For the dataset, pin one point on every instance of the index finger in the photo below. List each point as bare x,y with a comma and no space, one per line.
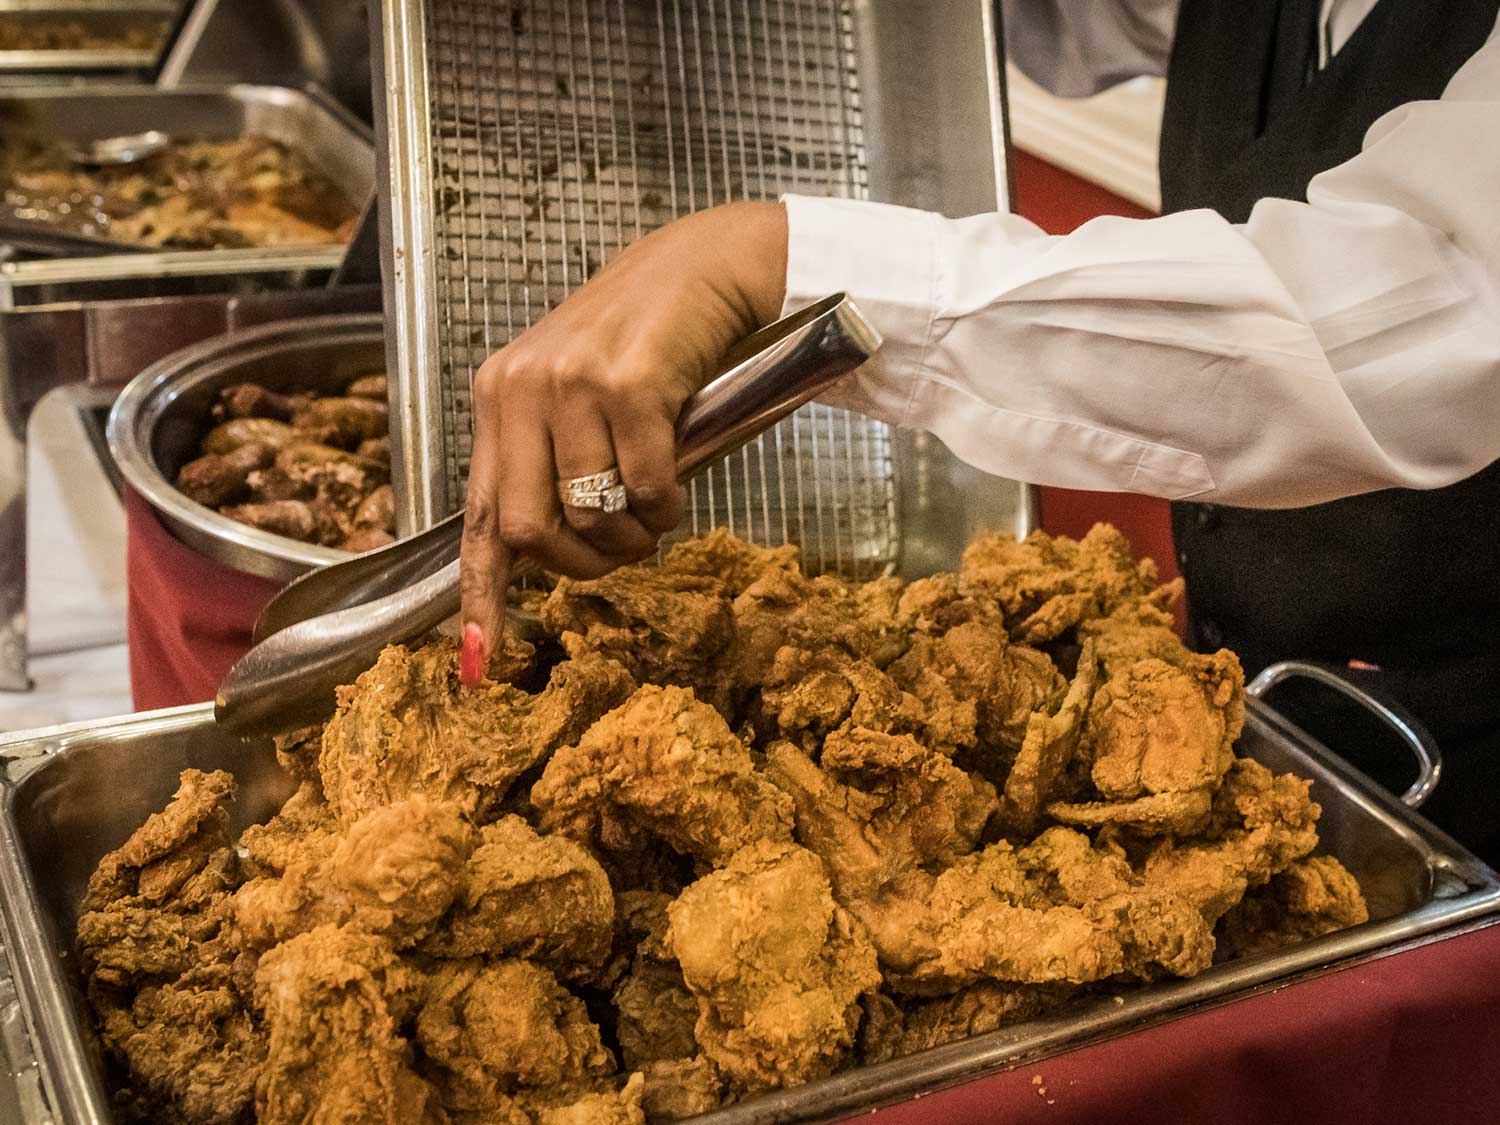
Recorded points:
484,559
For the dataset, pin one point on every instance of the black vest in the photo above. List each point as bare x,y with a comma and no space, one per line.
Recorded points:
1406,580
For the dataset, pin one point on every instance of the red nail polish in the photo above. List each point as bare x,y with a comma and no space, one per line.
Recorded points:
471,655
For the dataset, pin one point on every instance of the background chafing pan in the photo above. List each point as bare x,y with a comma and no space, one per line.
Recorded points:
108,19
159,420
73,793
305,121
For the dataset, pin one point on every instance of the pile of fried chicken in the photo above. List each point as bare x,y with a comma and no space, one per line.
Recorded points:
733,828
313,468
195,195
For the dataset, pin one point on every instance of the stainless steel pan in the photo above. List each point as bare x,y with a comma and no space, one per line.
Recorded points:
106,19
73,793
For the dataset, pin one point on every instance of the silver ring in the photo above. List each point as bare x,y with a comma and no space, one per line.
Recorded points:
602,491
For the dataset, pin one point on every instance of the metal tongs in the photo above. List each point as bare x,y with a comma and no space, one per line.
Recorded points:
330,625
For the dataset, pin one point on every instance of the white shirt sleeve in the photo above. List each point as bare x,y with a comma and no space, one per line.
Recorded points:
1075,49
1320,350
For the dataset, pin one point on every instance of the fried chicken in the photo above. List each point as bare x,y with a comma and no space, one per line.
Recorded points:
1259,825
524,895
662,765
1310,898
334,1000
837,824
1046,586
665,627
395,873
160,962
492,1030
408,726
776,964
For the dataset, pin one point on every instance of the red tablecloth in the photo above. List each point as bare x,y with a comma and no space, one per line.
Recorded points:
1409,1039
188,617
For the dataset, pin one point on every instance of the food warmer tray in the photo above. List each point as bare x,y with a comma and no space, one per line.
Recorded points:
70,794
307,121
106,17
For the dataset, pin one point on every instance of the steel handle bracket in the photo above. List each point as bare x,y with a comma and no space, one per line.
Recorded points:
1422,745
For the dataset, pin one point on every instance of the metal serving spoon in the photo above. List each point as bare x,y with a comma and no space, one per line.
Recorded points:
330,625
116,152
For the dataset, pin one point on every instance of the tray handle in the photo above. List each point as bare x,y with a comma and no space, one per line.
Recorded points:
1422,745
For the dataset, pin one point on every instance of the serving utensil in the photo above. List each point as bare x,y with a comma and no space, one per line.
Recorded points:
117,152
330,625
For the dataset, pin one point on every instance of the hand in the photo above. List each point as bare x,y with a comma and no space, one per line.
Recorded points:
599,382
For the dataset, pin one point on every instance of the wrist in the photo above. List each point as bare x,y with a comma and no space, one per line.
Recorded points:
749,241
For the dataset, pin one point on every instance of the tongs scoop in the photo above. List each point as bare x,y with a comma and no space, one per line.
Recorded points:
330,625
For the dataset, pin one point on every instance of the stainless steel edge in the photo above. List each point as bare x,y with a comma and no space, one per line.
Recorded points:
140,407
407,203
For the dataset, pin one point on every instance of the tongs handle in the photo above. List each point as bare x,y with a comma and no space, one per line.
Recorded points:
288,679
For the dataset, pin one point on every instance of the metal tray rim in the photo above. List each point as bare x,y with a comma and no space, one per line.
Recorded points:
43,993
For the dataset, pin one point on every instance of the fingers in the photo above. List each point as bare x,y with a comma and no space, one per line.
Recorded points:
645,447
581,446
531,519
484,560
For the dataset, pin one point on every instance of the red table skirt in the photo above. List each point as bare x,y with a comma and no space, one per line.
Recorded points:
1408,1039
188,617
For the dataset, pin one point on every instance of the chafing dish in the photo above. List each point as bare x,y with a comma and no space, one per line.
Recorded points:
70,794
333,141
125,35
160,418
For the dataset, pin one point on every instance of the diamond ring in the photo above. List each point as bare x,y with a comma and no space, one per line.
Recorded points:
602,491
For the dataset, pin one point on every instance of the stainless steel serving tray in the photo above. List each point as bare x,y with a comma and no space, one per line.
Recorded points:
104,17
160,418
70,794
334,142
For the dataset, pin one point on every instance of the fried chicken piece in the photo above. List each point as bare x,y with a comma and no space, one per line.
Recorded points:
221,478
607,1107
881,1027
492,1030
1312,897
297,753
1040,772
409,727
395,873
731,560
1162,736
783,608
228,436
1156,927
162,854
310,521
979,918
251,400
975,664
350,420
776,964
665,627
678,1088
304,826
1260,824
153,944
934,605
809,693
369,386
1047,585
334,1000
975,1010
662,765
524,895
880,804
378,510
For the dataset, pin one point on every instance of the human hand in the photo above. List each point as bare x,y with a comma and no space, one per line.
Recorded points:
598,383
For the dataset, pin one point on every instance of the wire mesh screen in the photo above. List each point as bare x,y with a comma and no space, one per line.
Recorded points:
564,129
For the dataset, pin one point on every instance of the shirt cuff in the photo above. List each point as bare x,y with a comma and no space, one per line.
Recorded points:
886,259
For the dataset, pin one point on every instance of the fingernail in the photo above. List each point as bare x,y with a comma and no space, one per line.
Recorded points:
471,655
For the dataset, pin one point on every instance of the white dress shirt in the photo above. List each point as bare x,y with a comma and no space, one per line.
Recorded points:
1319,350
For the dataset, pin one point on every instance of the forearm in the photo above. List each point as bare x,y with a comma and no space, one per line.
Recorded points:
1320,350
